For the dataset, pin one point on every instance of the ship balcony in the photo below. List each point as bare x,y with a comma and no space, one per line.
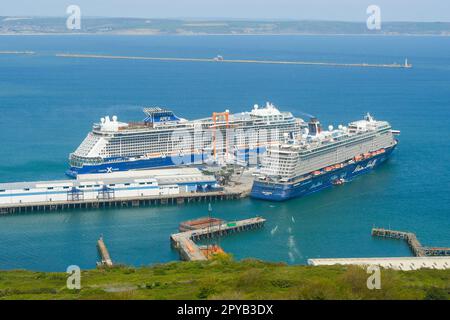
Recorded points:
78,161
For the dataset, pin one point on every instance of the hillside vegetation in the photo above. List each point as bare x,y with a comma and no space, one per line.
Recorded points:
223,278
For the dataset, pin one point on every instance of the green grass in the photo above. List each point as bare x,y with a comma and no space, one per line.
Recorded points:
224,278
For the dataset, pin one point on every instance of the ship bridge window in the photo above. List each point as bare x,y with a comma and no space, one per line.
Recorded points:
50,188
26,189
112,185
66,187
3,190
141,183
126,184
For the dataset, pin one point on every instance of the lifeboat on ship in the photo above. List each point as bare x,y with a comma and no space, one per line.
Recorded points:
316,173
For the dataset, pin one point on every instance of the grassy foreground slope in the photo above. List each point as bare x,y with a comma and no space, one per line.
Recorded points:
224,278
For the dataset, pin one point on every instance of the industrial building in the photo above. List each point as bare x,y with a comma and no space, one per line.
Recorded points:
130,184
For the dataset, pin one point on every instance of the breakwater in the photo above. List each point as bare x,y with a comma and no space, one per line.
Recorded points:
417,248
221,60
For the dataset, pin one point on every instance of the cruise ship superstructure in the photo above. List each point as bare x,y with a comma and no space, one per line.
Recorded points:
317,159
163,140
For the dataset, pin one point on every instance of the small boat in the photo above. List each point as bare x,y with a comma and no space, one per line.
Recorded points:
338,182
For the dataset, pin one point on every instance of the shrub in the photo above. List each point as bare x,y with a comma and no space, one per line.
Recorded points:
205,292
282,283
435,293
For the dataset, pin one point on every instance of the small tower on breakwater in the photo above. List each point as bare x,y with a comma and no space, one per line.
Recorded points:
406,65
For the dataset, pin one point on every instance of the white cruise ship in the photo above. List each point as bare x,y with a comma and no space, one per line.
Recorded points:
163,140
318,158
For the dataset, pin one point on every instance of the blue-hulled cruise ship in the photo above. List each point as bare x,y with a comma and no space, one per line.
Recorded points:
163,139
318,159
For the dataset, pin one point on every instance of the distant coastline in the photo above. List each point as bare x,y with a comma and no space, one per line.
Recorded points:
225,34
196,27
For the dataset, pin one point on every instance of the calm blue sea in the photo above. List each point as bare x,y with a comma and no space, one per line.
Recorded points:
48,104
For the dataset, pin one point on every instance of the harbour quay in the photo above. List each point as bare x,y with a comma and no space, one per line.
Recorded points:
114,190
396,263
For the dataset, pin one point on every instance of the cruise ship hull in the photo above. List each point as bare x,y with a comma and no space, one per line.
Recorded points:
157,162
124,166
283,191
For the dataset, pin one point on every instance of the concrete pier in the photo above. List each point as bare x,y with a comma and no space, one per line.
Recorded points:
400,263
188,249
104,254
124,202
413,242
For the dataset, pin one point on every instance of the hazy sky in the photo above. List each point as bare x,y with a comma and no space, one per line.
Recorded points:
348,10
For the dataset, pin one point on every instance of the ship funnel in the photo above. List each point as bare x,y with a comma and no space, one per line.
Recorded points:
369,117
314,127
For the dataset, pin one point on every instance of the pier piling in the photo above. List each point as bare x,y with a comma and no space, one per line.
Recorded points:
104,254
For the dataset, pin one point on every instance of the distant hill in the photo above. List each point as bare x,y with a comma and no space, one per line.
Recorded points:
135,26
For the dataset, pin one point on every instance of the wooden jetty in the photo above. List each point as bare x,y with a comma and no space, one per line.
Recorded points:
104,254
413,242
190,251
121,202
